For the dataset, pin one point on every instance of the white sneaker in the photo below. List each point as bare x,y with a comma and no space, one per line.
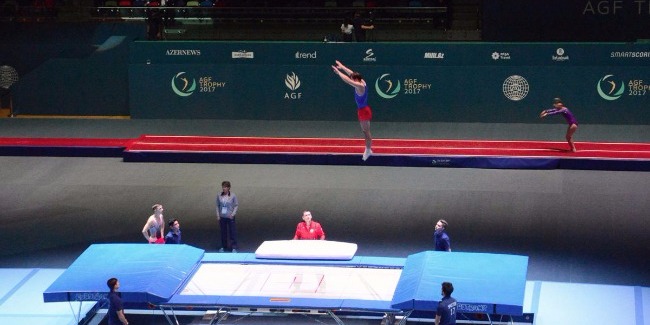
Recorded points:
220,250
366,154
234,250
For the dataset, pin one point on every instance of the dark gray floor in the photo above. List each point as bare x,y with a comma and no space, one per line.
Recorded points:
576,226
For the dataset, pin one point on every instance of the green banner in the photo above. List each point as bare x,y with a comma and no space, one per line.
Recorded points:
419,82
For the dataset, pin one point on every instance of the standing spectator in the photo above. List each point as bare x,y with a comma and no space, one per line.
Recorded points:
115,306
154,228
360,25
227,205
174,234
346,30
446,312
440,237
309,229
154,24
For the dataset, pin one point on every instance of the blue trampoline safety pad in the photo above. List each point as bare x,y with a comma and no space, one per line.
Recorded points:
483,283
181,275
147,272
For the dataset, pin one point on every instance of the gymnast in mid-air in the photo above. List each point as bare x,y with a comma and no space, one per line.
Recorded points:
559,108
364,113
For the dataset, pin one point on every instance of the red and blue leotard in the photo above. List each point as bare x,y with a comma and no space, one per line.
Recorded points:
363,110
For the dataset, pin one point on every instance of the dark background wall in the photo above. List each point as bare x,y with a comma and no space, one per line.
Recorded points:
565,21
69,68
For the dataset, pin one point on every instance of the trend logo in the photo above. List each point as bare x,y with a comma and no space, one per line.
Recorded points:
181,85
390,91
612,93
292,81
515,88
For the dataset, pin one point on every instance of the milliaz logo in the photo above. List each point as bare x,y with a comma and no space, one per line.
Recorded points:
434,55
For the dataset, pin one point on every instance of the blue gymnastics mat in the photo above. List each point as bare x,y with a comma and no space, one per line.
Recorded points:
167,275
147,273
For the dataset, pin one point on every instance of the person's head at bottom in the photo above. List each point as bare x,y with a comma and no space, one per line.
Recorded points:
446,289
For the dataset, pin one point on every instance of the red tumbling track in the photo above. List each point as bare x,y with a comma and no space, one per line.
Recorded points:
479,148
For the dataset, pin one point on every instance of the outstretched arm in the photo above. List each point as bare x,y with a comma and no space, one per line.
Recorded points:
546,112
551,111
345,76
345,69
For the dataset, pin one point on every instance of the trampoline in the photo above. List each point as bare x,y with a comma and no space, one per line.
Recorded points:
173,277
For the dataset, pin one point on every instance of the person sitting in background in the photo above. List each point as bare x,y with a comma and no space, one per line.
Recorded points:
174,234
309,229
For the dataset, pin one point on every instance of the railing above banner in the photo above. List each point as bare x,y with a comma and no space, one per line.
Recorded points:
280,14
108,10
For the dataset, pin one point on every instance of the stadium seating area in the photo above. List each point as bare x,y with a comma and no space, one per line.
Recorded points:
308,19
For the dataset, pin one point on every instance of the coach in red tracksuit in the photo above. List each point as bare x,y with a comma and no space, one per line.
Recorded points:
309,229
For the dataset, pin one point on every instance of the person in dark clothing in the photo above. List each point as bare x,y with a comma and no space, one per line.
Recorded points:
446,311
440,237
115,307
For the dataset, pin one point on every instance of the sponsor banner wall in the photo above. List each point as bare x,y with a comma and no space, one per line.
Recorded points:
436,54
424,82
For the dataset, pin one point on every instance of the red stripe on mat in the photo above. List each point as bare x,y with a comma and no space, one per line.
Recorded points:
384,142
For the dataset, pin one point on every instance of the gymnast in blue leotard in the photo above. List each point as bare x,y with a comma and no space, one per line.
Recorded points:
559,108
